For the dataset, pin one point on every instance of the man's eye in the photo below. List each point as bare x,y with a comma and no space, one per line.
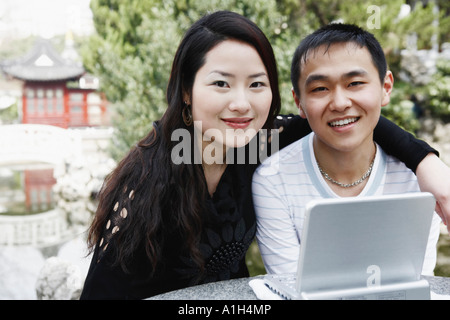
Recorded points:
318,89
356,83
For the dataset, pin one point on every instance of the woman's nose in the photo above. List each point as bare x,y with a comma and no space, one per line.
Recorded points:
240,102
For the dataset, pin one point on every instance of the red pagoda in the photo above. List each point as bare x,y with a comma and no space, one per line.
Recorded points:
56,89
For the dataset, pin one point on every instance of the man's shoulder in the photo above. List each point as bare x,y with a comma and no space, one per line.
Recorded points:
288,156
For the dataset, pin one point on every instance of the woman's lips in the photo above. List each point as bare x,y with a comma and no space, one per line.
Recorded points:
237,123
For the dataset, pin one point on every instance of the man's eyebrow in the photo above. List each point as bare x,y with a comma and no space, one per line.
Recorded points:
315,77
321,77
355,73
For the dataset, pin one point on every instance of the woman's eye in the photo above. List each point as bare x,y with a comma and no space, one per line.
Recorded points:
220,84
257,84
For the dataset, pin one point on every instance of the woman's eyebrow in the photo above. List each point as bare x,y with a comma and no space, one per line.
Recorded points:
222,73
256,75
230,75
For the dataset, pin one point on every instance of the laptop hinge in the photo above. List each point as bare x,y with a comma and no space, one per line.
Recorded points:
414,290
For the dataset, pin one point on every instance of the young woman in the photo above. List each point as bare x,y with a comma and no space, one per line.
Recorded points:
164,224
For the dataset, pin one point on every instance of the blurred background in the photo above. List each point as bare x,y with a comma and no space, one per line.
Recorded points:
82,80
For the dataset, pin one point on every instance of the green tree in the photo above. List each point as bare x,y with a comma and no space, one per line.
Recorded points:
133,48
380,17
438,91
131,55
135,42
383,19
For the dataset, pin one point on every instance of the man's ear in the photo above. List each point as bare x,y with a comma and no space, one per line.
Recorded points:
298,104
388,85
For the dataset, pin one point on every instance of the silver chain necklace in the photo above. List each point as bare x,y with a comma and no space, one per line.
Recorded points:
344,185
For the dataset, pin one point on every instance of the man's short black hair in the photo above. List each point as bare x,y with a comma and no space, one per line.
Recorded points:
337,33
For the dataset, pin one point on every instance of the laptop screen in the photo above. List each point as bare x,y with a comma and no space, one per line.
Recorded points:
364,241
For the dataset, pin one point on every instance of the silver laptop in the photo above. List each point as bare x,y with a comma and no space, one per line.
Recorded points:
361,248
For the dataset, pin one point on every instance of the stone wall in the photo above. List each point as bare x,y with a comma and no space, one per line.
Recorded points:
61,278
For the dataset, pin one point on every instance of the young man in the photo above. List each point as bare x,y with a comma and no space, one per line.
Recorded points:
340,82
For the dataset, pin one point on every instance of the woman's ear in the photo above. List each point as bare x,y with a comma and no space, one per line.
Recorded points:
388,85
187,98
298,104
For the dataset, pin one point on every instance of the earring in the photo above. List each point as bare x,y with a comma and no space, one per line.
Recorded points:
187,115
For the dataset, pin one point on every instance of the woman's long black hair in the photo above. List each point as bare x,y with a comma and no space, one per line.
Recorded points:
148,196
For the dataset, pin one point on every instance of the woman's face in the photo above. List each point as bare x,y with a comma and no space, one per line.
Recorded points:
231,95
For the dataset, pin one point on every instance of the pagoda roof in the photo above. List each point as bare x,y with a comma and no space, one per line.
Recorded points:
43,63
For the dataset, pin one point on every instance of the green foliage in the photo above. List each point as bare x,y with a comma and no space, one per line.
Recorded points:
132,53
133,49
382,19
254,261
9,115
135,42
438,91
401,108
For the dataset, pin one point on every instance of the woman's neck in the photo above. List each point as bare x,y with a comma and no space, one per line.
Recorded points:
213,163
213,173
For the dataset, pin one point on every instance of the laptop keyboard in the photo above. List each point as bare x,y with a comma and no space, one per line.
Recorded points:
288,280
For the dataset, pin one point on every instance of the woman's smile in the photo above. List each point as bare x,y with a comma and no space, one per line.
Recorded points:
237,123
231,95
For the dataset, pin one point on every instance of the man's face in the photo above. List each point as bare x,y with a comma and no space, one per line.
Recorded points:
341,95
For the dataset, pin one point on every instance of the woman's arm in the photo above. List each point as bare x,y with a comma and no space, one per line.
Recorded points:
393,139
401,144
291,128
433,175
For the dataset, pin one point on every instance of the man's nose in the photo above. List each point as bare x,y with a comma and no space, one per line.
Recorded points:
340,100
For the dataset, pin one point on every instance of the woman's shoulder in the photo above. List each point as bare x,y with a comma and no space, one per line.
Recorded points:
291,128
285,120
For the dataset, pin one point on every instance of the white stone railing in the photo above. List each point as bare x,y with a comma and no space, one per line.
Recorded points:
25,144
38,229
34,143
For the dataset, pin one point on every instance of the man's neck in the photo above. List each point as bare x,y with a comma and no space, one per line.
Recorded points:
345,167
